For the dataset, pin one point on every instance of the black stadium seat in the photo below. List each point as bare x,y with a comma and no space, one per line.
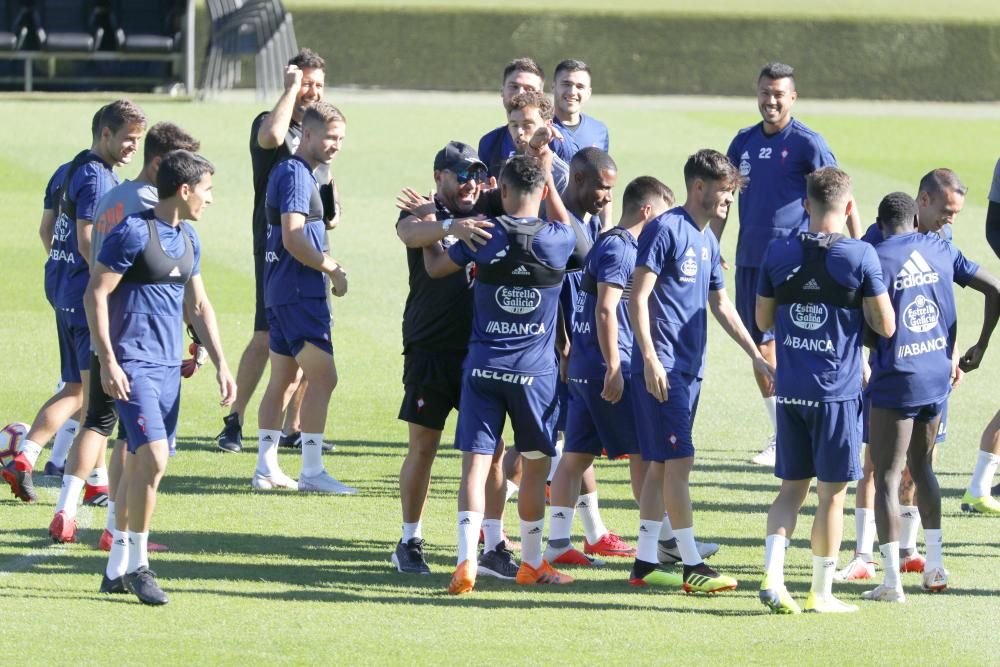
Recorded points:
150,26
69,25
13,25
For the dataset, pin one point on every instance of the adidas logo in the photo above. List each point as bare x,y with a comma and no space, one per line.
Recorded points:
745,156
175,273
915,272
120,541
582,503
642,529
812,284
520,271
689,252
464,522
534,531
559,515
267,438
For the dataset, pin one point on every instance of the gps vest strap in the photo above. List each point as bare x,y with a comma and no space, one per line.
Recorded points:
519,267
63,203
812,283
154,266
589,284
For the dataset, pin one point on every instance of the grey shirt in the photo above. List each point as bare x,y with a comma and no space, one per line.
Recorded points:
119,202
995,188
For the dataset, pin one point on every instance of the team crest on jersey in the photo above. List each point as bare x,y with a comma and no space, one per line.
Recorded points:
808,316
745,164
518,300
921,315
62,230
689,267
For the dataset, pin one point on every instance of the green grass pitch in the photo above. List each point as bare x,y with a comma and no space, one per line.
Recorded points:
282,578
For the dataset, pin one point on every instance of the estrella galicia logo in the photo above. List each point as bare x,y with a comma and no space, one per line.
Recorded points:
808,316
689,267
62,230
518,300
921,315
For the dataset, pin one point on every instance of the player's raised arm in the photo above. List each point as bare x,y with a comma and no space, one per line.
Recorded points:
437,263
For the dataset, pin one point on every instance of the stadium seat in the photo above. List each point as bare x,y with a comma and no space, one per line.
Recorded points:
14,21
69,25
151,26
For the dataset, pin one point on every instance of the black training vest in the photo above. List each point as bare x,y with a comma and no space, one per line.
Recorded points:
519,267
154,266
315,203
589,284
812,283
63,203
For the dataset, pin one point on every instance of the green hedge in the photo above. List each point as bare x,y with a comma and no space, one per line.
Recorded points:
465,50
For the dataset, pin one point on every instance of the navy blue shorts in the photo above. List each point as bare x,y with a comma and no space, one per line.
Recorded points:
291,326
154,401
593,424
488,396
913,413
74,343
562,395
818,439
746,303
664,429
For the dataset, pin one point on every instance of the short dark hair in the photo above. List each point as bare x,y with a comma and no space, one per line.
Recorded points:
322,112
644,190
523,173
535,99
522,65
711,165
118,114
827,185
165,137
308,59
571,65
95,123
591,161
180,167
897,210
776,70
938,181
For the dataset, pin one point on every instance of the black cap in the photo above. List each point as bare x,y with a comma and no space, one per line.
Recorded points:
457,157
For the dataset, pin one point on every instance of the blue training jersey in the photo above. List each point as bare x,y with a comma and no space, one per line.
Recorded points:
514,328
819,344
146,320
571,282
66,271
913,368
873,235
292,188
686,262
611,261
589,132
771,203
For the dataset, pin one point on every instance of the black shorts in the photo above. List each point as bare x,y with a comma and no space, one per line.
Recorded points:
432,384
102,413
259,313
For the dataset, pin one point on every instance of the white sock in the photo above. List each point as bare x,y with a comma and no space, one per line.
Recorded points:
98,477
492,533
590,517
267,451
468,535
932,538
110,525
312,454
909,522
822,581
890,563
531,542
31,450
560,523
118,558
666,530
137,555
412,530
63,441
511,490
864,525
774,560
555,460
982,476
771,405
687,546
649,533
69,495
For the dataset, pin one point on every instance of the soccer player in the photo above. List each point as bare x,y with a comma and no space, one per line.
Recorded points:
571,91
88,452
521,75
511,368
599,409
70,207
274,136
148,269
817,289
678,278
437,322
298,312
911,374
774,158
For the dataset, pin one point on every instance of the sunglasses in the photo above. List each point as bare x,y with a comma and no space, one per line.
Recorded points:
475,173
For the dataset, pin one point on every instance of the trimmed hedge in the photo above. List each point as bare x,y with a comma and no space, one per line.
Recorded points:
661,54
